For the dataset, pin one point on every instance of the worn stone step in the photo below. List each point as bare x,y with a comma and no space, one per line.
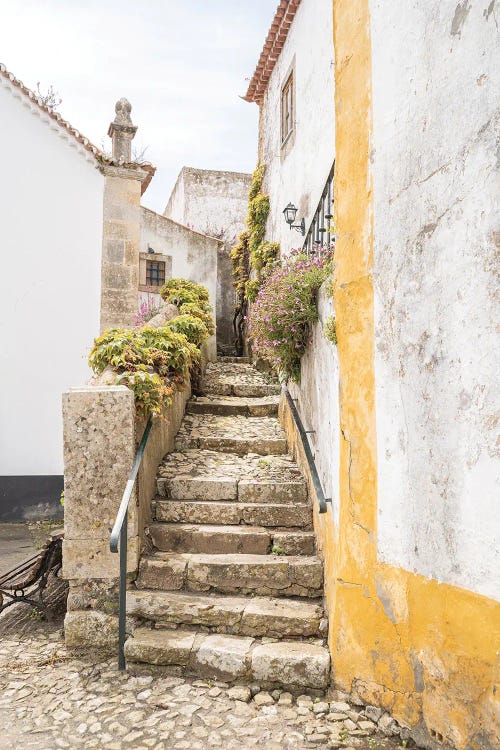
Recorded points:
227,513
235,360
216,539
237,435
236,615
268,575
232,405
235,379
232,658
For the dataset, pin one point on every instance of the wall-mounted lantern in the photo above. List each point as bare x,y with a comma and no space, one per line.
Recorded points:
290,212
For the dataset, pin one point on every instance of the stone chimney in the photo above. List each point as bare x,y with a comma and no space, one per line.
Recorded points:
122,131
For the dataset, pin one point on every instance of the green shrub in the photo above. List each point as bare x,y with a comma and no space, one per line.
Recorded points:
252,289
178,291
152,393
192,327
203,313
265,254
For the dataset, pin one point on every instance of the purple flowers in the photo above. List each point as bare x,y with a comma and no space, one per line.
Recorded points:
285,308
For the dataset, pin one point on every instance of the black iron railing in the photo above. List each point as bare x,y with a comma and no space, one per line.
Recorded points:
320,232
322,500
119,532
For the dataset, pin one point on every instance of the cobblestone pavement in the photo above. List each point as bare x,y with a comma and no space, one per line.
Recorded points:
51,698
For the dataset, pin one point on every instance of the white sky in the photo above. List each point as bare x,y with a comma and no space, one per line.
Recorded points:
182,64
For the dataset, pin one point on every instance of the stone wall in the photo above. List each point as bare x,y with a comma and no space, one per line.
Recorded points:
215,203
193,254
101,434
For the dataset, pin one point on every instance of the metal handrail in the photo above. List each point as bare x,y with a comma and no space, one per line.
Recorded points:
119,532
322,500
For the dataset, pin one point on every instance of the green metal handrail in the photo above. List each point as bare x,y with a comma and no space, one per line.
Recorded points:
119,532
322,500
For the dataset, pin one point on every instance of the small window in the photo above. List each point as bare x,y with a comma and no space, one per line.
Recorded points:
287,108
155,273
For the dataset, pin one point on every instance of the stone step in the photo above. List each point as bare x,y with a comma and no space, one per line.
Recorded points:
289,664
267,575
227,513
235,360
215,539
232,405
236,379
255,616
237,435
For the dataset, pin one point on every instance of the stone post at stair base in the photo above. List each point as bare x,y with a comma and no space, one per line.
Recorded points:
101,434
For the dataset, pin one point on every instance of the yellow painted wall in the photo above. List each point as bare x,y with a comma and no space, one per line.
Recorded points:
425,651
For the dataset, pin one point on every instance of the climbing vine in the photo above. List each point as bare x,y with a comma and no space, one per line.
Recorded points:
251,254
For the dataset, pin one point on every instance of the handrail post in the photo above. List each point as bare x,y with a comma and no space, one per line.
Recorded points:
122,616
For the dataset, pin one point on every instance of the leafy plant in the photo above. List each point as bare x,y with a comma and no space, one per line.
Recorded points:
193,328
179,291
150,361
264,255
285,308
277,550
330,329
152,393
202,313
252,289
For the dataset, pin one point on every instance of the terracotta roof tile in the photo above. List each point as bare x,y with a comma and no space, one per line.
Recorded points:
276,37
97,153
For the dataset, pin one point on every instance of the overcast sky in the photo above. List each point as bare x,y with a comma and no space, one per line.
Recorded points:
183,64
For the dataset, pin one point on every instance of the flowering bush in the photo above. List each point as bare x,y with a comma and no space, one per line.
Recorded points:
147,310
285,308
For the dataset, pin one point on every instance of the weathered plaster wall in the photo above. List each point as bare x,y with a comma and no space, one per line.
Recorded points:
317,402
194,255
437,231
298,171
425,650
215,203
211,201
51,199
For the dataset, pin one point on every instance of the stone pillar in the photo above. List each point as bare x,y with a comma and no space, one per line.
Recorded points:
99,449
121,225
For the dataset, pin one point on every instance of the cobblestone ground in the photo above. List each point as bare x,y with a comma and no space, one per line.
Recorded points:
51,698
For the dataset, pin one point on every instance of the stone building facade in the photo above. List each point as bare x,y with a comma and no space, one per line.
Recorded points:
403,408
215,203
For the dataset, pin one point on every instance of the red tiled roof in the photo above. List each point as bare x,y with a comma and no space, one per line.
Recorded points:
276,37
97,153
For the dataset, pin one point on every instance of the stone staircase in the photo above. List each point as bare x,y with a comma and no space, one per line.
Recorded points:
230,587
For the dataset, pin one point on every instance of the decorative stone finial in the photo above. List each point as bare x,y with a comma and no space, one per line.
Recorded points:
123,108
122,131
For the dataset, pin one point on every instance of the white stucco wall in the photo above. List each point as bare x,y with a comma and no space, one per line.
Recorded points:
299,173
50,238
318,403
211,201
194,255
435,91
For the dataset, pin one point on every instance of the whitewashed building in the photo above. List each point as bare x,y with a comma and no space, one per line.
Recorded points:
51,200
79,253
294,87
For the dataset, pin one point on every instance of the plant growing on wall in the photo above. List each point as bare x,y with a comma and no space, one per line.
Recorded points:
155,362
251,253
285,308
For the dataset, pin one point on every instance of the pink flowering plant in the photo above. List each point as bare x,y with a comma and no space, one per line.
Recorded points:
147,310
279,322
